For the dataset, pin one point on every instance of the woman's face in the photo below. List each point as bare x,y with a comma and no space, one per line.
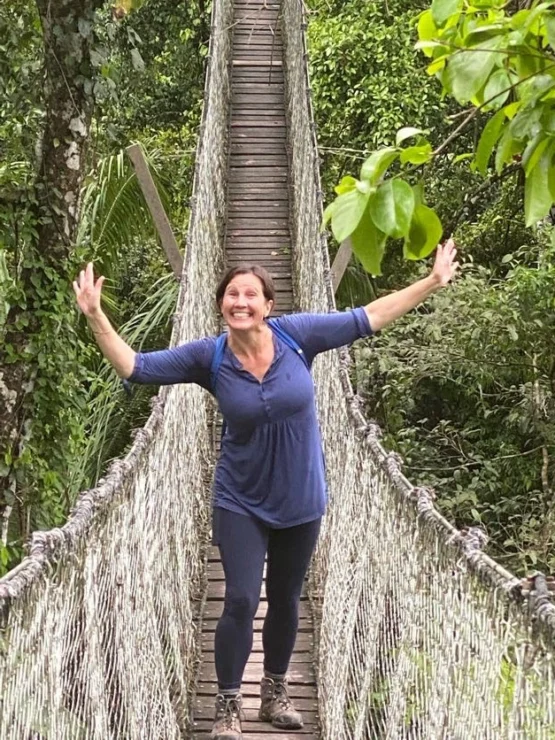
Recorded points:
244,305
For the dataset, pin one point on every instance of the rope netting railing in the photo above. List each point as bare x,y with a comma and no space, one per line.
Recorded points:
98,638
421,635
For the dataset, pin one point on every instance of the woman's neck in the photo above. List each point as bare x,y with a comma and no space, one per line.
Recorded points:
250,343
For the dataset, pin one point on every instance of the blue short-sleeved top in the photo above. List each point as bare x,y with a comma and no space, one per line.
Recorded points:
271,464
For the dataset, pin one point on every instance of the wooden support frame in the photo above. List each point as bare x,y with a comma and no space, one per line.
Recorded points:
154,203
340,263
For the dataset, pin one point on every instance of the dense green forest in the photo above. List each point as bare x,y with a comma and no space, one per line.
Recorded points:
463,388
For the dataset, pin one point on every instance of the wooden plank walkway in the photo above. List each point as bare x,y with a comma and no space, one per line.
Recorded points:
257,231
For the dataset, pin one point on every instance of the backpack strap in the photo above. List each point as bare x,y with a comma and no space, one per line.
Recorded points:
217,359
288,340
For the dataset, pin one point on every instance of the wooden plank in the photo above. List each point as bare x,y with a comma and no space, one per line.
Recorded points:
262,18
258,224
255,53
340,263
259,213
254,134
298,660
255,60
203,704
247,174
265,97
257,15
268,189
264,160
279,735
253,209
301,673
305,624
253,206
263,33
262,123
259,241
241,177
265,252
262,64
204,709
159,216
250,714
268,44
216,590
262,78
252,688
304,642
257,87
239,194
260,110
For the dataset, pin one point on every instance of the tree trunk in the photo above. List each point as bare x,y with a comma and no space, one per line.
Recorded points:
68,34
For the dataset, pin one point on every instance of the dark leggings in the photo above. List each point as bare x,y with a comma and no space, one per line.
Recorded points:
244,542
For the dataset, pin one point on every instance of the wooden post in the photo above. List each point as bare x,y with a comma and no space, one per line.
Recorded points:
156,208
340,263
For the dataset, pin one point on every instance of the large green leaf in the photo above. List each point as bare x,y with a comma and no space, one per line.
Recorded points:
534,152
347,212
507,148
377,163
537,198
424,234
368,244
392,206
549,19
444,9
469,69
488,139
497,90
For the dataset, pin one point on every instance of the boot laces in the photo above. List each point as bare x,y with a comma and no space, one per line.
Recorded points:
229,709
281,695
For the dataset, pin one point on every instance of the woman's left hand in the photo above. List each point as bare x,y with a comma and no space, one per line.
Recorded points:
445,266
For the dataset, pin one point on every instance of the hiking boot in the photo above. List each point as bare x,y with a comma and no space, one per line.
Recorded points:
227,721
277,707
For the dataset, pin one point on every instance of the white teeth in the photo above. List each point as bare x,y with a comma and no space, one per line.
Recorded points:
239,315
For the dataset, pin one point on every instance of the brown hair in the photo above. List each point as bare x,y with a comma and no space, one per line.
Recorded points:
245,269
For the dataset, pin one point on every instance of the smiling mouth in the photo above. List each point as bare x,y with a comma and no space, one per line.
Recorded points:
241,315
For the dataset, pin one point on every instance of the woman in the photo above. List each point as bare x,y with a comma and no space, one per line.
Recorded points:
269,491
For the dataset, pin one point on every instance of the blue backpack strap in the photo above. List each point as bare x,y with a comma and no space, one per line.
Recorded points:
288,340
217,360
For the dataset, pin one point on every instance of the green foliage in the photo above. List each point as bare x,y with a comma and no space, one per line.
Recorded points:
464,389
455,385
372,209
495,60
489,58
75,414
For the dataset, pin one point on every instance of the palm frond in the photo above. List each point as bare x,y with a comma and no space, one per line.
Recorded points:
114,211
110,411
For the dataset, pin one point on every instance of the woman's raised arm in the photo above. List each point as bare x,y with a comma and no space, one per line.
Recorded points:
383,311
113,347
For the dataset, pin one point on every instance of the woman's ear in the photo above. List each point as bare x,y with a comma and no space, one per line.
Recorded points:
270,305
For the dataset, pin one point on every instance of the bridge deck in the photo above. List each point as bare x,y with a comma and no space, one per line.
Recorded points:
257,231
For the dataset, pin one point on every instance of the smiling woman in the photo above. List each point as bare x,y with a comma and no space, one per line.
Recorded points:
246,297
269,485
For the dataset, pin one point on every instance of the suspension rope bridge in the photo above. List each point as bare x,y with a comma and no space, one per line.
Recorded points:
415,632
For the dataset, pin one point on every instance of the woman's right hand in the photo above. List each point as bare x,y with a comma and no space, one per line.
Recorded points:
88,292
